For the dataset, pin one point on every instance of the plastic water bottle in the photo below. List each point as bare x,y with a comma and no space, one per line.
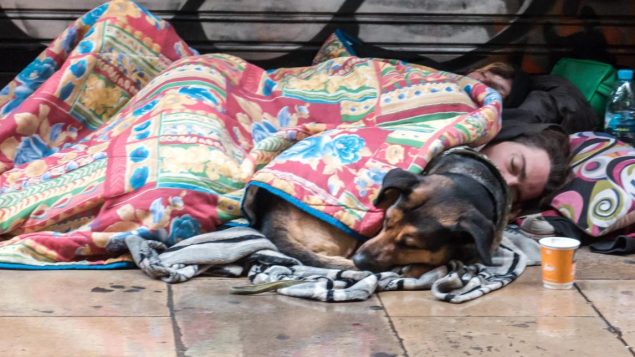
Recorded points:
619,118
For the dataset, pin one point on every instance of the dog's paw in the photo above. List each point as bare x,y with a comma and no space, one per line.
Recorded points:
332,262
415,270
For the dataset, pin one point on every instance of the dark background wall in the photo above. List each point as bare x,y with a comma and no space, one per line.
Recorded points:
271,33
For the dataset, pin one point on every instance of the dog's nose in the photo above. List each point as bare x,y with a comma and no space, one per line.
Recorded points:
364,262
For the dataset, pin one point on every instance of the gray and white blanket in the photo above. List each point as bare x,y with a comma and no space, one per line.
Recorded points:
239,250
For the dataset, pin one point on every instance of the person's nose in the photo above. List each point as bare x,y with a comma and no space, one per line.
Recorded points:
512,180
512,183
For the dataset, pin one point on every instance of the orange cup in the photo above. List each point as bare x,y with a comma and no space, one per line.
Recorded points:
558,267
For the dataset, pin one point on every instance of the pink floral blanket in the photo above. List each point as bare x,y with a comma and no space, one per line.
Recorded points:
119,128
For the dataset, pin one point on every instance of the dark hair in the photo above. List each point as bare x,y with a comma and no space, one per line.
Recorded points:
520,81
556,144
501,69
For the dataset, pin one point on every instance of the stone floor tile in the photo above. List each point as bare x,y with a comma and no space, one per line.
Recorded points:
81,293
523,297
213,322
508,336
615,300
590,266
86,336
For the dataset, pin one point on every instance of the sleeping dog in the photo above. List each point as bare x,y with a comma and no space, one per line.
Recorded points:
456,210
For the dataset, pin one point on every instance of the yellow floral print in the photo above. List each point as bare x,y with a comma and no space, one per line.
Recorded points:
172,101
123,8
36,168
394,154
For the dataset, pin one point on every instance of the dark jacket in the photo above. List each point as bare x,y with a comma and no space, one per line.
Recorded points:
551,99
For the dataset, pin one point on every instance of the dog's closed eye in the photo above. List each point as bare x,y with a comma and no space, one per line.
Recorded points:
410,241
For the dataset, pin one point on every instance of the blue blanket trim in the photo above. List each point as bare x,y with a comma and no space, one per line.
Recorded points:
117,265
231,224
306,208
347,40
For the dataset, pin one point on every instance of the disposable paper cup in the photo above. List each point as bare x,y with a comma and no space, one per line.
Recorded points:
558,267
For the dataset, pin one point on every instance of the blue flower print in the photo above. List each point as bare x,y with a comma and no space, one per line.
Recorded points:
91,17
56,130
69,40
142,135
37,72
308,148
492,96
260,131
85,47
347,147
264,129
31,77
71,165
362,186
199,93
183,227
90,32
145,108
67,90
142,126
139,177
284,117
145,233
268,87
302,109
32,148
176,201
375,175
78,68
11,105
179,49
139,154
157,210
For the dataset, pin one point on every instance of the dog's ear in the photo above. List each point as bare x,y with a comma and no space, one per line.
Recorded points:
482,231
396,182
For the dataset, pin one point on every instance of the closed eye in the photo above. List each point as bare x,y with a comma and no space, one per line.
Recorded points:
517,166
411,242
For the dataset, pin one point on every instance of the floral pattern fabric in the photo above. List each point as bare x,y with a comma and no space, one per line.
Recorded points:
337,44
129,132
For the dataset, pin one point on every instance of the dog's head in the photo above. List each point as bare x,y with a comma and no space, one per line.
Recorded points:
432,219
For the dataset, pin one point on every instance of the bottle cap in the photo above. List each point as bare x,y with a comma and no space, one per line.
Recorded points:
625,74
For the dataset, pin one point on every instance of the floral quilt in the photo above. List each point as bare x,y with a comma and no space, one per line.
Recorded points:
119,128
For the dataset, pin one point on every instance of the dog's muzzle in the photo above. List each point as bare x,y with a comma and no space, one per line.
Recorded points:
365,262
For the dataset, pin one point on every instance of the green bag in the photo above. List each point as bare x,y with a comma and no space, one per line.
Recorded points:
594,79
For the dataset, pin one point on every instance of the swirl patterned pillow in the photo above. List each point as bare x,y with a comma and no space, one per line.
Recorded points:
600,197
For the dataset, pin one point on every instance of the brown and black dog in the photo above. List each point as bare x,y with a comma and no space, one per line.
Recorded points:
456,210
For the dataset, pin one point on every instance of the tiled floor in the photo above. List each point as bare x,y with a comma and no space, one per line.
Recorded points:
125,313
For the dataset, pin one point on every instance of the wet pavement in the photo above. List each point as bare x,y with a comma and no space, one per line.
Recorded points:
125,313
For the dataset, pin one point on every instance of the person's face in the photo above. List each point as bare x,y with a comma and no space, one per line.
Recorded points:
494,81
525,169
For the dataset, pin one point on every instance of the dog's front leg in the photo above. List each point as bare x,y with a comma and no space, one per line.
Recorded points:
416,270
334,262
